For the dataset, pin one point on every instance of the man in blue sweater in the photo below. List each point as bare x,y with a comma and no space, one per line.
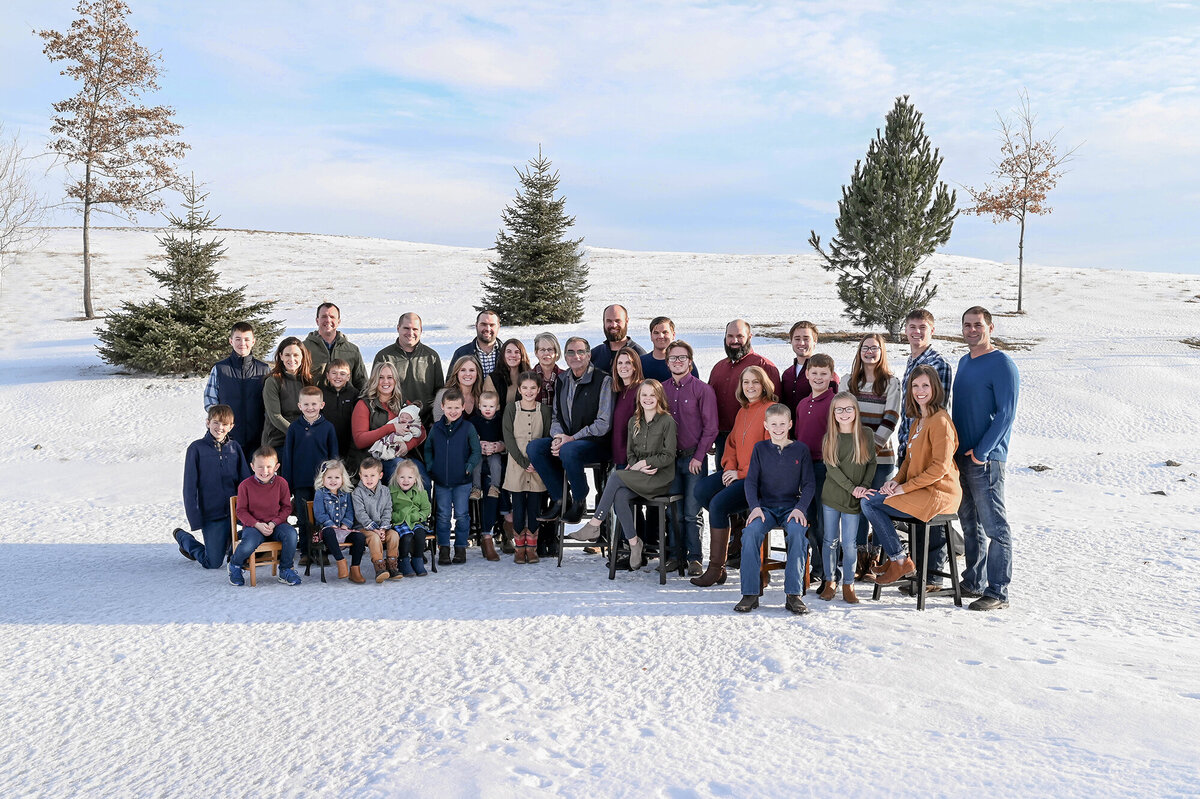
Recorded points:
985,403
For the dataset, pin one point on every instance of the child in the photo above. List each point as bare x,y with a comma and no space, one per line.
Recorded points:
524,421
410,516
333,512
407,430
310,441
263,505
848,453
212,469
373,514
490,428
812,417
340,398
237,382
779,489
451,454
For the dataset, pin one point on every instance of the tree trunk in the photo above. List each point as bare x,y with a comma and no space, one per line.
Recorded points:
1021,266
88,312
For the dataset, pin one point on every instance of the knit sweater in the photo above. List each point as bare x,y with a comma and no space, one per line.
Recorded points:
880,412
748,430
780,477
372,509
841,480
263,502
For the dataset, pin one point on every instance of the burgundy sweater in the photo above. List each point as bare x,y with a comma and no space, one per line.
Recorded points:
263,502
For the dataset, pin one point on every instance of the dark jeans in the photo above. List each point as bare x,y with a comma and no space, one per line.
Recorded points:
883,473
357,541
526,505
720,500
989,562
572,457
881,516
210,554
452,500
685,484
816,526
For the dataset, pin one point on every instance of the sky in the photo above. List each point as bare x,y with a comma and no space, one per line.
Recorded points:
675,126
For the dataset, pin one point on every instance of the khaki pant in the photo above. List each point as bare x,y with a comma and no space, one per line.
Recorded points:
377,539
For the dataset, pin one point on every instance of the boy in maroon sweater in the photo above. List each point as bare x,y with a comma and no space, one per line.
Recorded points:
812,418
263,504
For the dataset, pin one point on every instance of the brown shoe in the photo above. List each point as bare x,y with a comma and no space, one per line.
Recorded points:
343,569
519,554
718,546
489,547
381,572
507,545
393,567
828,590
356,574
848,594
531,555
895,570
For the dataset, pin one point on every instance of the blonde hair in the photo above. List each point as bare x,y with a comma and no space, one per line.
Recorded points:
334,465
864,447
372,391
409,464
767,386
661,405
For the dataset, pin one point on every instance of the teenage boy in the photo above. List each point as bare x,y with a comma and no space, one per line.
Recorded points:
918,328
654,363
779,487
263,505
812,418
212,469
340,398
451,453
237,382
311,440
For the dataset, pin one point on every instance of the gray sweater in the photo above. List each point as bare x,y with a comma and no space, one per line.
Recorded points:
372,509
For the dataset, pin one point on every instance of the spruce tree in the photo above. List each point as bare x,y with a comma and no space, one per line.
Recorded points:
891,217
188,331
539,276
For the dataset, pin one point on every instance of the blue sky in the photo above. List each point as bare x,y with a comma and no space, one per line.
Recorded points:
701,126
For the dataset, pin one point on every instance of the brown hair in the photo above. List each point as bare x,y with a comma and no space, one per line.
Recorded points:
658,320
936,402
858,370
452,395
311,391
821,361
979,309
617,385
687,347
370,462
452,380
919,313
804,325
222,413
265,452
524,364
304,373
767,386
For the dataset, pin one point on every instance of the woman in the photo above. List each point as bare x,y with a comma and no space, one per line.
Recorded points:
548,351
724,492
878,393
291,372
927,483
650,454
376,415
464,375
627,375
514,361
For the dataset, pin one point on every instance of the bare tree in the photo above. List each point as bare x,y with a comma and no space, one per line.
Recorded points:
1027,171
125,151
22,209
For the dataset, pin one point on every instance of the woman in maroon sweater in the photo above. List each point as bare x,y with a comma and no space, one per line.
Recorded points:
375,416
627,376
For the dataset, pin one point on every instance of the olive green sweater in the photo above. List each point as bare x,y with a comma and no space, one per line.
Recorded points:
841,480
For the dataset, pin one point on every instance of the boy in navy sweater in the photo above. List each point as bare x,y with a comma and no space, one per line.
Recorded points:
451,453
311,440
212,469
779,489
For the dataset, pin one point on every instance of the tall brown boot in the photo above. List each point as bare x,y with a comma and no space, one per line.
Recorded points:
489,547
507,538
718,544
531,546
381,572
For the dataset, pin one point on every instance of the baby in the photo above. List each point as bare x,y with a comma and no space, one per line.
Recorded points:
408,427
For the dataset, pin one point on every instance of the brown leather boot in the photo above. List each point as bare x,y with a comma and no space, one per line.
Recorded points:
393,567
519,541
895,570
343,569
507,539
489,547
531,546
828,590
356,574
733,559
849,595
381,572
718,545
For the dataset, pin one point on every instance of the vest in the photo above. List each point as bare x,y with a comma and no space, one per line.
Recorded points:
240,386
586,404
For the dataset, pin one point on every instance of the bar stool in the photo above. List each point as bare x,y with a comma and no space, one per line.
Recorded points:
601,474
919,532
665,503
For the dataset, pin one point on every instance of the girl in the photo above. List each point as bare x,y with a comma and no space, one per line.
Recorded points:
410,517
627,376
878,393
849,454
548,351
291,372
464,375
524,421
333,512
650,454
514,363
377,414
927,483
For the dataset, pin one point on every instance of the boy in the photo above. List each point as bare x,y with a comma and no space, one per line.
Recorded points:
263,505
237,382
812,417
373,515
779,487
491,441
212,469
340,398
451,454
311,440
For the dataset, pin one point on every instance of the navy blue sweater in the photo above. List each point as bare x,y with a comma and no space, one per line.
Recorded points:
307,445
211,474
778,477
488,429
452,452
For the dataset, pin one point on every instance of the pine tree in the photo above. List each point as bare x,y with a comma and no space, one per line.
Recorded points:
539,276
891,217
188,331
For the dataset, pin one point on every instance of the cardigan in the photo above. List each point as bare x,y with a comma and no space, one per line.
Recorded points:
929,475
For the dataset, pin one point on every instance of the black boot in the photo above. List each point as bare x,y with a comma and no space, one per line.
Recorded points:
460,555
443,556
552,513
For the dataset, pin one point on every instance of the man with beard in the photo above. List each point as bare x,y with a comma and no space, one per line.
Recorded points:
726,376
616,336
484,346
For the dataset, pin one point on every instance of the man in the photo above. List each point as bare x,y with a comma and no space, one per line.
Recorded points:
987,385
237,382
803,337
418,367
694,407
654,363
616,336
726,376
579,432
327,343
484,346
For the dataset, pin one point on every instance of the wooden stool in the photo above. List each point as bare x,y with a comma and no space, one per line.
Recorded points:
919,531
769,564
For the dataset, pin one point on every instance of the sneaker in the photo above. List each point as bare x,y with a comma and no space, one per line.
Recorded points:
289,576
987,603
178,535
695,568
476,493
235,575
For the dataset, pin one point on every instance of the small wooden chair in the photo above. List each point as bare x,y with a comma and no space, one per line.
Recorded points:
266,553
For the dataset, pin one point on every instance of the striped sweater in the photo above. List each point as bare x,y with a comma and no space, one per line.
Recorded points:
880,413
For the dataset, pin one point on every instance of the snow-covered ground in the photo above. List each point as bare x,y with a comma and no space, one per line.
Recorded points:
128,671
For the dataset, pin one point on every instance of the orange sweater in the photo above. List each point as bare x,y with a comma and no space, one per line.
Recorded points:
929,475
748,430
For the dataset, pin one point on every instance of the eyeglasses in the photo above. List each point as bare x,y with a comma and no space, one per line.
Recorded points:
576,353
870,349
677,358
846,409
544,349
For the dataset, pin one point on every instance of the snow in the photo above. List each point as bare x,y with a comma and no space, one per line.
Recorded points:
131,672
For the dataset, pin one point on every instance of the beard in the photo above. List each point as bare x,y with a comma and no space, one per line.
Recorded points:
737,353
616,335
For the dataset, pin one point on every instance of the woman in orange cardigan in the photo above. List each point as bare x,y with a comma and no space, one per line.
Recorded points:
724,492
927,483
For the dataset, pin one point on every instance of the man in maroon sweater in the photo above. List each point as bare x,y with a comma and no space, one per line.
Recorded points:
726,375
803,337
264,501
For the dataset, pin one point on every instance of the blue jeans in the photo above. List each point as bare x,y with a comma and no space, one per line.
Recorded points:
685,483
572,457
456,499
989,569
284,533
883,473
210,554
848,522
720,500
880,516
752,540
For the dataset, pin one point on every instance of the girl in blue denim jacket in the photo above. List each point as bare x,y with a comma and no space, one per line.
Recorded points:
333,513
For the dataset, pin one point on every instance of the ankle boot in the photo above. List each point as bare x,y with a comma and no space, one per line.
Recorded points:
489,548
519,548
356,574
443,555
718,545
508,544
343,569
849,595
393,567
828,590
531,546
381,572
460,555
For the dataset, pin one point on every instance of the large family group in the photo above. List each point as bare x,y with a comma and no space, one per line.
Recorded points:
386,458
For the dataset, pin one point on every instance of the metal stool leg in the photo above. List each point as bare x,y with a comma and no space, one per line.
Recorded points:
924,574
953,561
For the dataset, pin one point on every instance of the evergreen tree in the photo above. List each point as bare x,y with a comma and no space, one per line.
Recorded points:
188,331
539,276
891,217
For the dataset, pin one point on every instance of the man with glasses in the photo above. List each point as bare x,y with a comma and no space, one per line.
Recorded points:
579,432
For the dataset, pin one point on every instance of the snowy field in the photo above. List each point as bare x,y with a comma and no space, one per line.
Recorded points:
129,671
